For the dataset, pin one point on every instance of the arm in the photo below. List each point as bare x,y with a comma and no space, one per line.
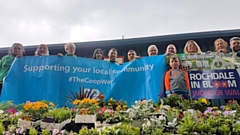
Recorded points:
167,82
187,80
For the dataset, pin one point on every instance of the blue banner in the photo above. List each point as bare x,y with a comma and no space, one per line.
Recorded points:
215,84
48,78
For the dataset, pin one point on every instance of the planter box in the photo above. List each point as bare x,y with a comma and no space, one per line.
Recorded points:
28,124
85,119
51,126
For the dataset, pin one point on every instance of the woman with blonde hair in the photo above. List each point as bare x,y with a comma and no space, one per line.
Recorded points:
220,45
192,47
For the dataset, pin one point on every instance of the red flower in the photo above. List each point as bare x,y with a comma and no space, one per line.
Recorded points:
156,109
200,114
180,115
101,96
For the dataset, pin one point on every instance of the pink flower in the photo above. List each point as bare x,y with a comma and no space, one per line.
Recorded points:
55,131
104,108
12,110
63,132
111,112
100,112
74,109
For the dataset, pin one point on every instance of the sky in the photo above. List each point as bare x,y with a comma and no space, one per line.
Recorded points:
33,22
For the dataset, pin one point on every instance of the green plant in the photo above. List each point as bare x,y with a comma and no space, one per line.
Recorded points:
2,129
45,132
154,125
200,104
122,129
141,110
86,131
59,114
174,100
236,128
232,105
33,131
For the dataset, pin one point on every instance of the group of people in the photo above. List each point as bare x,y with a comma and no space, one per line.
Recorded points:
176,80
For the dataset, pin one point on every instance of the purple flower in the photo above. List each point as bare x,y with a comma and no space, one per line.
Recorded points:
222,107
226,112
209,110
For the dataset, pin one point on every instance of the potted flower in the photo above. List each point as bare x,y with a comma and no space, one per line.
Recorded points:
140,111
56,118
200,104
32,113
86,110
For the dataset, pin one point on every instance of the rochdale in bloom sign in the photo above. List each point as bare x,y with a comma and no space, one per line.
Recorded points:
215,84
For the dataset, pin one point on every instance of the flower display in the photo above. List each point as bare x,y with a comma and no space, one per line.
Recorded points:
86,106
35,110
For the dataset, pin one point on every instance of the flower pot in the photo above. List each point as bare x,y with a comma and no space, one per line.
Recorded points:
85,119
137,123
51,126
28,124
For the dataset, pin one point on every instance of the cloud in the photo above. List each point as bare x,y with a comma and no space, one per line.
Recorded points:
35,22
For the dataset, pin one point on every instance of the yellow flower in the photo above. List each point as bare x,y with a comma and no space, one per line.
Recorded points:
227,109
109,104
118,107
215,108
36,107
51,104
204,101
75,102
125,107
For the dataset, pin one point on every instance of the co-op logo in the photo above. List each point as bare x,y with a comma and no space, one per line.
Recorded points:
89,92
